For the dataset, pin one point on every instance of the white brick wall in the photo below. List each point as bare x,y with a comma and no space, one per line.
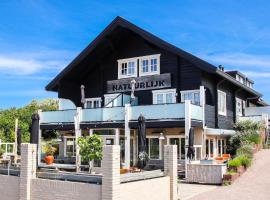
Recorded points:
28,169
9,187
42,189
111,172
170,168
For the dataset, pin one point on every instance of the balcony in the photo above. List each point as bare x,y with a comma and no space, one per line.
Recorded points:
59,116
116,114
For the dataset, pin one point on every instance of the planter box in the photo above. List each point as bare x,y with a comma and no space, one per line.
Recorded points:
240,170
230,177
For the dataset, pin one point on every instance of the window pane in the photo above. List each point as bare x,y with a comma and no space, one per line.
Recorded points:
145,65
159,98
154,148
169,98
183,150
176,141
196,98
124,69
154,65
131,68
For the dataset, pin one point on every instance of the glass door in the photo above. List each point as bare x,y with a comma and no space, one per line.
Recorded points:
180,142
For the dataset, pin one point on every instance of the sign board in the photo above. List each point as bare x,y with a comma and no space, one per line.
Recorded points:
142,83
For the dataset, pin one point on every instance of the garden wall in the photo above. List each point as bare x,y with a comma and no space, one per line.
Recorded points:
42,189
154,189
9,187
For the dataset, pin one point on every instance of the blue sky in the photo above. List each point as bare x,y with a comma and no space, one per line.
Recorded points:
39,38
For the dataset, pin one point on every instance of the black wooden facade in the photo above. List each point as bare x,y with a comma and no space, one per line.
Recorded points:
97,64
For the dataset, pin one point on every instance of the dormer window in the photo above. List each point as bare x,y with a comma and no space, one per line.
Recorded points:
127,68
240,78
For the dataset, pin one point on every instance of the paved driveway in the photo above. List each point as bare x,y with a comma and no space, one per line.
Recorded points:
252,185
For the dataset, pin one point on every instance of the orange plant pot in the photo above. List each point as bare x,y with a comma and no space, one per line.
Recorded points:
49,160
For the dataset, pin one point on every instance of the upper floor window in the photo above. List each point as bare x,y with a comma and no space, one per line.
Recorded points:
150,65
92,103
240,106
127,68
164,96
222,108
147,65
192,95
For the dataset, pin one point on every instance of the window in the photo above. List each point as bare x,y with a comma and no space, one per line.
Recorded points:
164,96
153,148
240,106
180,142
239,78
192,95
69,146
222,108
92,103
150,65
127,68
111,100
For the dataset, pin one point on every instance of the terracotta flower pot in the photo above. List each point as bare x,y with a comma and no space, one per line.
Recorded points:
49,160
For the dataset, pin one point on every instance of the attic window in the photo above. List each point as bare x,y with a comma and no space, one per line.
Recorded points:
127,68
150,65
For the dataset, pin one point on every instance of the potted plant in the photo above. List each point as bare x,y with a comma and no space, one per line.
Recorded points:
90,149
49,150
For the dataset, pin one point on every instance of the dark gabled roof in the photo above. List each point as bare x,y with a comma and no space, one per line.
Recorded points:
231,79
118,21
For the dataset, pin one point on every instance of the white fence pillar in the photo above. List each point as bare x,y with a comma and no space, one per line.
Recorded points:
111,172
170,168
28,169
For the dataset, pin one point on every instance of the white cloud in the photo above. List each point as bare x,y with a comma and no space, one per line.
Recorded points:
257,74
27,63
237,60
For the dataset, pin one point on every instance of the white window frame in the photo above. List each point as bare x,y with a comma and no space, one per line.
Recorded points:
180,143
65,145
222,112
237,100
164,92
111,96
127,60
159,148
149,57
92,100
183,92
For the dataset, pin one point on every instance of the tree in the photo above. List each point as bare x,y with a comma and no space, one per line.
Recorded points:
90,149
8,116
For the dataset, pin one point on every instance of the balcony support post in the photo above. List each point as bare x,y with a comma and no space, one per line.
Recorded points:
78,133
127,136
117,136
187,129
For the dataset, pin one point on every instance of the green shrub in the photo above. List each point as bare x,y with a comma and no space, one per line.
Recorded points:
254,138
245,161
234,163
245,150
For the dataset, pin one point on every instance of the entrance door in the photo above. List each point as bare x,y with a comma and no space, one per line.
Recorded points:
180,142
122,150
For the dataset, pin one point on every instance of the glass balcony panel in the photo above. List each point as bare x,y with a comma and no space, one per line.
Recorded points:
196,112
59,116
164,111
